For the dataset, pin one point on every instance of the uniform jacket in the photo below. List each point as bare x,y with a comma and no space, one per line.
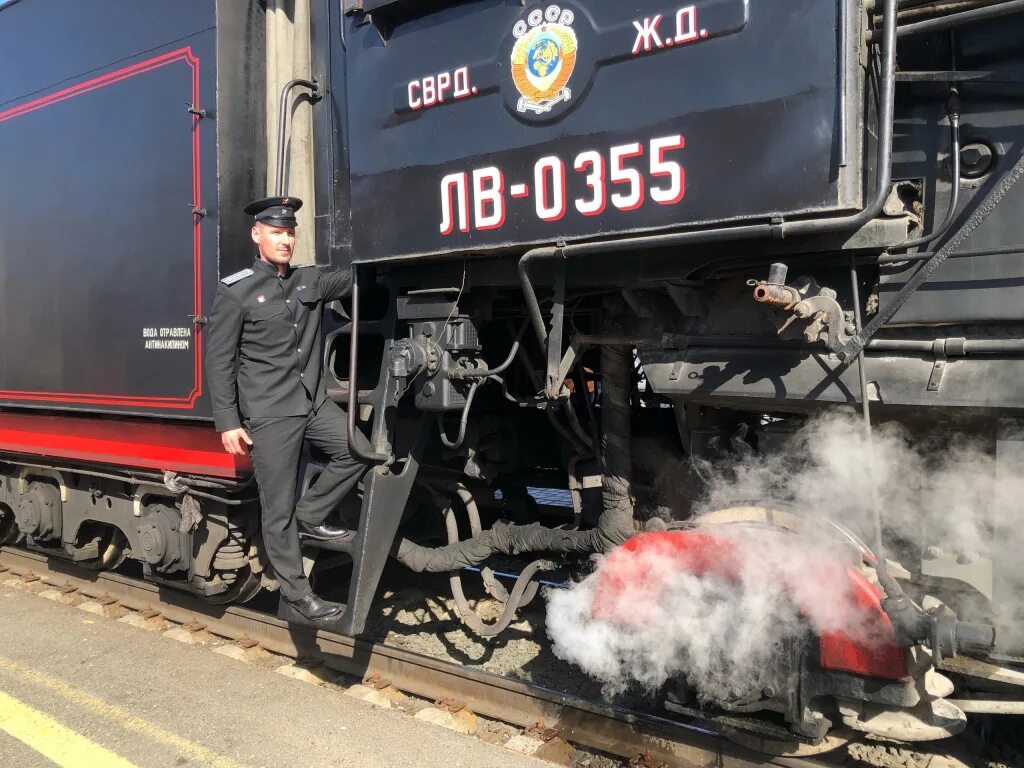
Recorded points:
263,342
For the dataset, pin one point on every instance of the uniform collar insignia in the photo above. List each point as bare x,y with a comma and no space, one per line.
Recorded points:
268,267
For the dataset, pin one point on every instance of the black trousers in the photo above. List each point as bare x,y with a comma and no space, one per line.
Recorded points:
276,448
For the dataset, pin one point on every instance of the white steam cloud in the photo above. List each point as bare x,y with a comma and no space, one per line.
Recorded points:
943,500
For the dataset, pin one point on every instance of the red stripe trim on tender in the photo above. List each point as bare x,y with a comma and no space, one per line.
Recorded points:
186,402
96,82
191,448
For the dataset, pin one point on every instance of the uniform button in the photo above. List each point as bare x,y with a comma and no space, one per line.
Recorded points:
302,375
287,301
300,350
295,325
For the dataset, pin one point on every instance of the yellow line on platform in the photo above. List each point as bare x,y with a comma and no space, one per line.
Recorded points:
121,717
54,741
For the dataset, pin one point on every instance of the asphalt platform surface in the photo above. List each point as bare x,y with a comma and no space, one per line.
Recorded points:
86,691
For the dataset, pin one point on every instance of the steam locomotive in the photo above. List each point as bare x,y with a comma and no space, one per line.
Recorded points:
601,247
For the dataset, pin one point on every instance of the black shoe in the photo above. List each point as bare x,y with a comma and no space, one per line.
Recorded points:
313,608
322,532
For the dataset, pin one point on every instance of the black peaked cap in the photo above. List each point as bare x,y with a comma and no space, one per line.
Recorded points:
275,211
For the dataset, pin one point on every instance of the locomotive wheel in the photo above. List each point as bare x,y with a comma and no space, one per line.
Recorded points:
114,549
243,590
783,515
8,525
786,517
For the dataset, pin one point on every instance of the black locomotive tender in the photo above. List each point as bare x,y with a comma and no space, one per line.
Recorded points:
535,198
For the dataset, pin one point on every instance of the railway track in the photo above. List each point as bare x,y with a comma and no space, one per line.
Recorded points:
641,738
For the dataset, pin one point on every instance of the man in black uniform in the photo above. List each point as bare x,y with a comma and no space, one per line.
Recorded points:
263,355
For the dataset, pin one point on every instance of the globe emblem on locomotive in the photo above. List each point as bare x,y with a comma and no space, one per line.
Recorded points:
543,58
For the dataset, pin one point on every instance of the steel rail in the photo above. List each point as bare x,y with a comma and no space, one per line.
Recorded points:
578,721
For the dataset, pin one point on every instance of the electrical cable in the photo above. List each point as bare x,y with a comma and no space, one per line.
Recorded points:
483,373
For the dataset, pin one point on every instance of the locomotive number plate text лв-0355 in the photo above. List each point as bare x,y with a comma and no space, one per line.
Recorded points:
628,176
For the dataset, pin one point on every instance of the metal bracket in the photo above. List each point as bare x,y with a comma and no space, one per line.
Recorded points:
778,227
816,313
200,212
938,367
143,491
554,381
942,349
198,320
563,367
194,110
27,472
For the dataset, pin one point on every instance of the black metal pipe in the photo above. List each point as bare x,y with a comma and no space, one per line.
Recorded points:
887,87
970,347
282,123
973,637
901,345
900,258
153,479
934,9
532,304
463,420
954,202
994,346
632,340
741,266
923,346
920,9
353,379
956,19
510,397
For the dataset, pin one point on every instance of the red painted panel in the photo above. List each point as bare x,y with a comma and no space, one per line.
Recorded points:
869,648
191,448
